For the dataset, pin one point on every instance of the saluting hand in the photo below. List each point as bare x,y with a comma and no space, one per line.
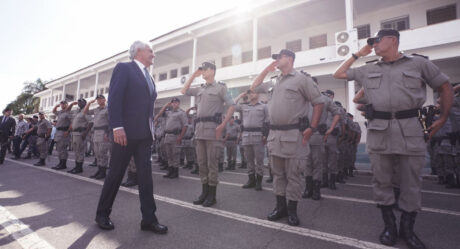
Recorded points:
306,135
119,137
271,67
197,73
364,51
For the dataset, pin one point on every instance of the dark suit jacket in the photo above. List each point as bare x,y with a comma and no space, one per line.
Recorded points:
130,104
8,128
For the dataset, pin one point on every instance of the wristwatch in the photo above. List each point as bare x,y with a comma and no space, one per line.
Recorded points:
314,129
354,56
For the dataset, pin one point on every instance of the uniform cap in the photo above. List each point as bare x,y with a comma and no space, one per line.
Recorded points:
100,96
64,102
286,52
381,34
175,99
40,113
208,64
82,101
330,92
338,103
35,116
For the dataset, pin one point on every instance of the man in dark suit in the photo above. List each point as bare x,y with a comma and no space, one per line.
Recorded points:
7,128
131,101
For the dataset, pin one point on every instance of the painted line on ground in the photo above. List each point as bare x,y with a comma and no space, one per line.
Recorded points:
21,233
351,199
342,240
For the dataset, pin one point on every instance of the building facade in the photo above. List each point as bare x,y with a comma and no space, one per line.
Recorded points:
240,41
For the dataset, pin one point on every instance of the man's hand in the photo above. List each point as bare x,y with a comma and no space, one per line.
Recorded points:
119,137
271,67
179,141
364,51
92,101
327,134
438,124
219,129
306,135
197,73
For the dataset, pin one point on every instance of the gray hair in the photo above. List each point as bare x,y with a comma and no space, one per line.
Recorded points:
135,47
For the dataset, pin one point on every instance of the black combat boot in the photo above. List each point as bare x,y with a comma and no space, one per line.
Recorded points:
316,195
40,163
170,172
308,187
77,169
195,171
243,164
340,177
450,181
229,165
164,165
389,234
220,167
203,195
406,231
101,174
293,220
97,172
270,178
182,161
174,173
251,181
332,178
280,210
211,197
457,179
94,163
29,156
259,182
62,165
325,181
441,180
131,180
350,172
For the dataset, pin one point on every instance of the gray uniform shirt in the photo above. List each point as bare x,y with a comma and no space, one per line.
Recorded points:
290,100
254,116
211,99
329,110
392,87
101,116
80,121
64,118
175,120
43,126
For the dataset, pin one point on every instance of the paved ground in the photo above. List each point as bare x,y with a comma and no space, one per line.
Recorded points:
43,208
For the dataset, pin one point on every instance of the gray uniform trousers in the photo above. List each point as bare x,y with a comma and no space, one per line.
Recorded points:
231,150
208,153
42,145
101,148
330,155
172,150
254,154
78,146
62,142
315,161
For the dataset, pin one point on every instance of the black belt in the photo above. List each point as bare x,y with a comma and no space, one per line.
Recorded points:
175,132
252,129
81,129
187,138
284,127
397,115
206,119
106,127
62,128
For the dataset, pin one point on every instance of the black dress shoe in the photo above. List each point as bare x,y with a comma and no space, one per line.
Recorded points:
154,227
104,223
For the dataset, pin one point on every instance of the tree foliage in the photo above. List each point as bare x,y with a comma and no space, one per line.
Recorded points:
26,103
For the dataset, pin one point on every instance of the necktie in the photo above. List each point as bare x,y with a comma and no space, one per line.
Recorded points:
149,81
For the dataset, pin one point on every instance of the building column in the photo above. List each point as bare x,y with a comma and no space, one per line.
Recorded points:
195,42
351,84
255,38
78,90
63,92
96,84
52,98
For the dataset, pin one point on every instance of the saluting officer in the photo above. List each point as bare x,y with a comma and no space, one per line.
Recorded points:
394,91
62,137
176,126
231,136
188,143
100,135
43,132
80,128
255,132
210,98
289,130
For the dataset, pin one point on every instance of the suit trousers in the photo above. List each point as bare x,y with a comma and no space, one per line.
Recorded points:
390,170
140,150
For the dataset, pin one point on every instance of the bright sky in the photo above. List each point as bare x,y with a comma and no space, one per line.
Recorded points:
50,38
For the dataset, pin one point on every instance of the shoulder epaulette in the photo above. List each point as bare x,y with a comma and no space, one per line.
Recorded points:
305,73
372,61
424,56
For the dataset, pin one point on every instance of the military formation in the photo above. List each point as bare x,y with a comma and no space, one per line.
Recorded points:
288,124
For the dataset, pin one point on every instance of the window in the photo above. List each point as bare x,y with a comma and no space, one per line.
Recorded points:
184,70
265,52
246,56
86,94
106,90
294,46
43,102
173,74
399,23
364,31
56,99
92,94
163,76
227,61
101,91
60,97
441,14
318,41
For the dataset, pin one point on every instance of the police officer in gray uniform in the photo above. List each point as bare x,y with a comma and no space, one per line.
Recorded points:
100,135
43,133
176,126
255,131
62,137
231,136
80,128
188,142
394,91
454,116
290,130
210,98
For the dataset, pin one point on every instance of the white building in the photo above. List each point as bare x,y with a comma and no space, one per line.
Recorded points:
241,41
